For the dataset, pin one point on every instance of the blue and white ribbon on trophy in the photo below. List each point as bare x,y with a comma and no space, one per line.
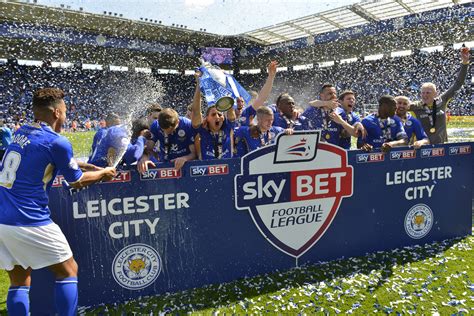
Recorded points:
220,89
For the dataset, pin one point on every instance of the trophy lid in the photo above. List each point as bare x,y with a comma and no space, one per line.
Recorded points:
224,103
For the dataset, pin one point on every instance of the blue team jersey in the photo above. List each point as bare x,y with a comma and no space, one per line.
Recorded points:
29,167
247,116
381,131
319,119
115,140
134,150
351,118
175,145
219,144
300,124
412,127
6,137
246,143
97,137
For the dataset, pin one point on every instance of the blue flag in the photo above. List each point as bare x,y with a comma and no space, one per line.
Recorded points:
216,84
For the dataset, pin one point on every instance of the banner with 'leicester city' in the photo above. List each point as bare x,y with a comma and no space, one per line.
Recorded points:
300,201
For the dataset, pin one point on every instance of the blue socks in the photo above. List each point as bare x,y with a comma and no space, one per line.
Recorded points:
65,292
18,301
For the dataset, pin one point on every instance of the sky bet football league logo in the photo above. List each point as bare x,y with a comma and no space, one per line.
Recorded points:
293,189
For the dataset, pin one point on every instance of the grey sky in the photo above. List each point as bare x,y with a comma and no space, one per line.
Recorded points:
226,17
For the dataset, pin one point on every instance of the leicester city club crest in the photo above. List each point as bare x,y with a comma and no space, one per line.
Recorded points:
418,221
136,266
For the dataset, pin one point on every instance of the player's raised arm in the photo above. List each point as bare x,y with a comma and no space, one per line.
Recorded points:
457,84
267,87
196,116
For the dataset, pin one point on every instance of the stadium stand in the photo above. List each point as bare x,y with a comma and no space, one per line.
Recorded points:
369,28
92,93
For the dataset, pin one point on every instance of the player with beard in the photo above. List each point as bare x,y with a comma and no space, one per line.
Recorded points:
249,138
348,121
286,115
411,125
318,114
214,136
248,114
384,129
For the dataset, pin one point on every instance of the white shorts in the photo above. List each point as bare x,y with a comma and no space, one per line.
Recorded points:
36,246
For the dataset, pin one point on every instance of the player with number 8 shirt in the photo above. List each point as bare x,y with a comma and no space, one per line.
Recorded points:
28,237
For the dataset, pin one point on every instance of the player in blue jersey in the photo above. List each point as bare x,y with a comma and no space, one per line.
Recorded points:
28,237
384,129
318,117
5,137
112,119
249,138
286,115
116,146
348,122
415,133
249,113
240,104
140,136
214,136
173,140
153,112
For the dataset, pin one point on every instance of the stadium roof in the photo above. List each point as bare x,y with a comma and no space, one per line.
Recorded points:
340,18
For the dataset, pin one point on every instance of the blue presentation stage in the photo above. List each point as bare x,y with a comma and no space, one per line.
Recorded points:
297,202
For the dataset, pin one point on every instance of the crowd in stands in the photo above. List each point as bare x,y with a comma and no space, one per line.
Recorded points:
371,79
91,94
170,137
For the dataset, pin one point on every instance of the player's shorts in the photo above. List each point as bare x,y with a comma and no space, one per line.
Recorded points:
34,246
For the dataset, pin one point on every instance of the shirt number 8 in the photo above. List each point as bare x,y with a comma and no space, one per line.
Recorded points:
11,162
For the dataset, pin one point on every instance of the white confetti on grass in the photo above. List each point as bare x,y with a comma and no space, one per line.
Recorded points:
410,280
